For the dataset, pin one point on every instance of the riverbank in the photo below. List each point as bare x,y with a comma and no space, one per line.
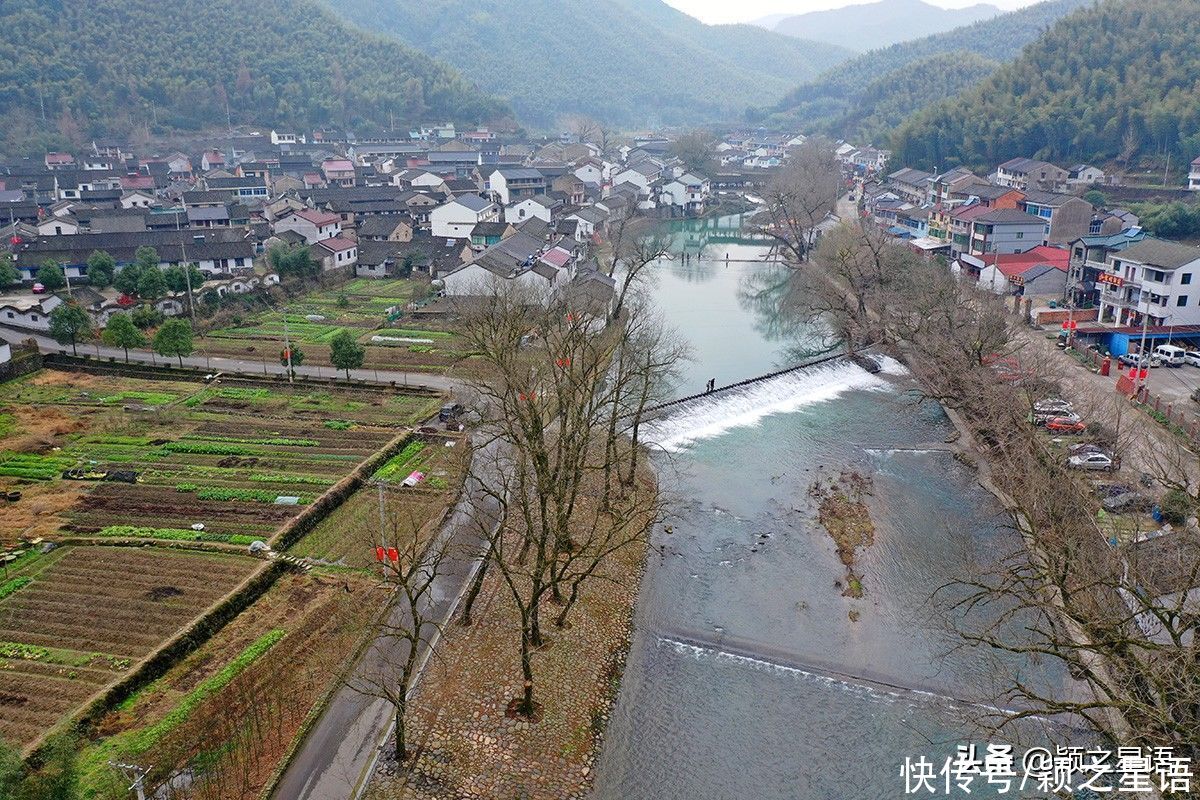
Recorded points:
466,741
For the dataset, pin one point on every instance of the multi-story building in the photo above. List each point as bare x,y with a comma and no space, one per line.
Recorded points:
1089,257
1194,176
1029,173
1006,230
1069,216
1154,278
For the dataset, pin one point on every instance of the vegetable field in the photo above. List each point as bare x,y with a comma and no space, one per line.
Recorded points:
348,536
87,614
365,307
220,464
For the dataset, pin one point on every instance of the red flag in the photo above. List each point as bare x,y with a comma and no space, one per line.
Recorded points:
379,554
1065,325
1074,324
393,554
1145,372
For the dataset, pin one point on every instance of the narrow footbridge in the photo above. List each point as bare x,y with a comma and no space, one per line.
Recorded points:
862,360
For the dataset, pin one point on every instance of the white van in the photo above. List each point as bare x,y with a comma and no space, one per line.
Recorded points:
1171,355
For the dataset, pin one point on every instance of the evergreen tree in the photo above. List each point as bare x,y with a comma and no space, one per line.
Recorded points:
121,332
345,353
70,324
174,338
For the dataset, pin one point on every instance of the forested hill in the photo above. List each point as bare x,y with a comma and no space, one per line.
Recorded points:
111,66
1108,82
625,62
834,101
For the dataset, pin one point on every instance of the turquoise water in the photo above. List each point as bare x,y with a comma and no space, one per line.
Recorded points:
747,677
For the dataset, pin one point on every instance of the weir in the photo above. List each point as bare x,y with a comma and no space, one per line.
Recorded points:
754,654
824,359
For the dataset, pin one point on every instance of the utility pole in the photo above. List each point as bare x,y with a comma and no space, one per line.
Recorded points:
187,270
287,346
382,485
133,773
1143,361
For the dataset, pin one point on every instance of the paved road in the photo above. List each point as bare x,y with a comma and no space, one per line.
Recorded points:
235,365
1149,447
336,757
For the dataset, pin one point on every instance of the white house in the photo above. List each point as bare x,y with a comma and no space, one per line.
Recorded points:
58,226
137,198
688,192
1154,277
1084,175
313,225
280,137
29,312
1194,176
539,206
335,253
509,184
454,220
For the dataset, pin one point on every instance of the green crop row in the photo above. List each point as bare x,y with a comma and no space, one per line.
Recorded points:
33,466
230,493
174,534
144,739
311,480
271,440
208,449
10,586
400,464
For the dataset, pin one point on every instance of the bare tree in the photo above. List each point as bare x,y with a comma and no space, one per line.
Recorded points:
635,244
800,196
563,391
408,570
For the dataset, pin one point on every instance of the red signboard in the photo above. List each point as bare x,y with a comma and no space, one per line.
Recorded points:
1112,280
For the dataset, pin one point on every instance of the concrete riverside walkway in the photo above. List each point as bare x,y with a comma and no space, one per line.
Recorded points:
237,366
337,756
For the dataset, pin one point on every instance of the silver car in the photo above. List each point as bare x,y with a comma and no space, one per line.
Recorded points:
1100,461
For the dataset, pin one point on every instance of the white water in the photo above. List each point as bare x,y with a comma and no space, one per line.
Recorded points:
706,417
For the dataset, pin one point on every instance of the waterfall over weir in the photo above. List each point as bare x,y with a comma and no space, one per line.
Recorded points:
712,415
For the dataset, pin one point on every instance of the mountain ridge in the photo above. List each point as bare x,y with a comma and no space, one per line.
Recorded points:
870,26
625,62
113,67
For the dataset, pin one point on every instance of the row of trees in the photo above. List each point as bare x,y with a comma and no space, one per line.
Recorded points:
1117,619
70,324
557,485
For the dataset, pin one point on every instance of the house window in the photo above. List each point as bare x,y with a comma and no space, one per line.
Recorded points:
1182,301
1186,278
34,317
11,315
1020,234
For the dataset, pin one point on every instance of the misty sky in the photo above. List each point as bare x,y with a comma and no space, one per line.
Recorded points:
716,11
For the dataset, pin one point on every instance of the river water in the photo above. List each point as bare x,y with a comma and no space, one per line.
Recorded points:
747,677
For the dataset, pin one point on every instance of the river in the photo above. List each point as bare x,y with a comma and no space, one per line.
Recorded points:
747,677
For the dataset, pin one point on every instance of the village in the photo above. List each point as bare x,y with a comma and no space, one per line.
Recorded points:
452,206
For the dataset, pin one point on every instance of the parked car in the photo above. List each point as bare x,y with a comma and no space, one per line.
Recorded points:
1192,357
1085,447
449,411
1131,360
1170,354
1071,424
1052,404
1095,460
39,288
1126,501
1062,417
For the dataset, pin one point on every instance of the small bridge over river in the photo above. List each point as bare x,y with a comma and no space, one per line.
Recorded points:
864,361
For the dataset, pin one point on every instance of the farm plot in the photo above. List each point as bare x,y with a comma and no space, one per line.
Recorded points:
364,307
348,536
217,464
87,614
233,707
